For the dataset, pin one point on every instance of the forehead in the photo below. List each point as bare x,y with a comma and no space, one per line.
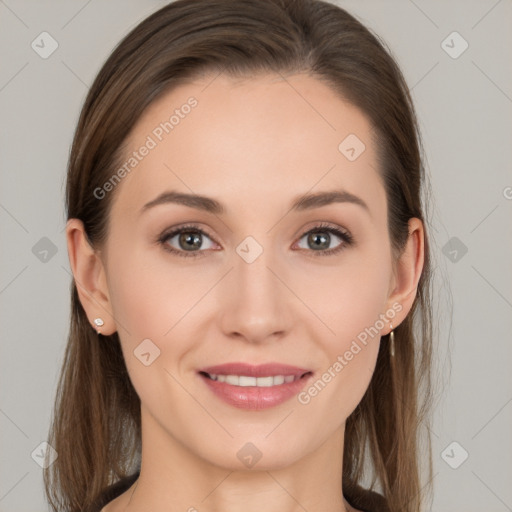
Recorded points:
248,141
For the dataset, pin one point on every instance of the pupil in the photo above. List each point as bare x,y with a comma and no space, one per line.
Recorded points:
190,241
324,241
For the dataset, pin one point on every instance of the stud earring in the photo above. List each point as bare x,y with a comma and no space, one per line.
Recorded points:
392,341
98,322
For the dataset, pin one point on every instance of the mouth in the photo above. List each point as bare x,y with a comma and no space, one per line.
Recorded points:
254,387
260,382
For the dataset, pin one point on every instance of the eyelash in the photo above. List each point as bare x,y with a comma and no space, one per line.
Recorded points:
347,238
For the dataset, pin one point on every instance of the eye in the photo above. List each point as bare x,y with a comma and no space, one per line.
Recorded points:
188,241
320,237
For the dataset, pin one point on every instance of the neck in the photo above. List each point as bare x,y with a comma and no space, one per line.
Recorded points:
172,477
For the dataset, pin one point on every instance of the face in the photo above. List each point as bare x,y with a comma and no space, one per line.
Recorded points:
250,275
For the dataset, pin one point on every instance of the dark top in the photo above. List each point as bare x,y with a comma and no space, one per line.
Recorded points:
367,501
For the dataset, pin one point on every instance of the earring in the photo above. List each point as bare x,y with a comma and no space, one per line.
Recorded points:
392,341
99,323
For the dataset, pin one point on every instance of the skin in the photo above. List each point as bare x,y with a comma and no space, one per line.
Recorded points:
254,145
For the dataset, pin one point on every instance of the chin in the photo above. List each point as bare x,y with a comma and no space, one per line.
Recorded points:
255,453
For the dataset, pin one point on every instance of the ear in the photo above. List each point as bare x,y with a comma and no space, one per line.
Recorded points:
89,274
407,272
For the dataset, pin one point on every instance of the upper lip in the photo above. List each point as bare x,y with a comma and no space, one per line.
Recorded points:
262,370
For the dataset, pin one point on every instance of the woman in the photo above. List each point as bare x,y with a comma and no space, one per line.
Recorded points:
248,245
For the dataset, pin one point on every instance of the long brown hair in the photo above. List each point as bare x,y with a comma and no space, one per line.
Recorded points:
96,427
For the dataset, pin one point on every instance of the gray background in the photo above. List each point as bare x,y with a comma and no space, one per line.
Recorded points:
464,105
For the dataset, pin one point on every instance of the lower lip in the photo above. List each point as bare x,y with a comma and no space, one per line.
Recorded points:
253,397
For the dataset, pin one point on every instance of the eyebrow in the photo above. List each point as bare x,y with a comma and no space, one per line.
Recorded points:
301,203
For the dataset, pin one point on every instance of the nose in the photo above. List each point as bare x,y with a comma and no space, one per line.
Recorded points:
256,305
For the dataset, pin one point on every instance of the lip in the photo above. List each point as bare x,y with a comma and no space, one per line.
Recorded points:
254,397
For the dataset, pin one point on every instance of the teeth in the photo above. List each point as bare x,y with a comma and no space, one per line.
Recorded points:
261,382
232,379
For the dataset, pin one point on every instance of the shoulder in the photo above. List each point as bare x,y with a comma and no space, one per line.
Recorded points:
366,500
111,492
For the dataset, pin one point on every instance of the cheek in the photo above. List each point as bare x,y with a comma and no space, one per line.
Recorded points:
350,296
350,358
354,309
157,300
147,301
150,293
